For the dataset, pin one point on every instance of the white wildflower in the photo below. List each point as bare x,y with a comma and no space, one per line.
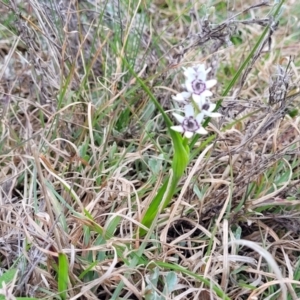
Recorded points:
189,124
206,107
196,82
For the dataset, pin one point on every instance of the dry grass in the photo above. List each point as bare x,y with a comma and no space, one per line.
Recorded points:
83,151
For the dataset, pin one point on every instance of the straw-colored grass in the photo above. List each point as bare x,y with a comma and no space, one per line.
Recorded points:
85,150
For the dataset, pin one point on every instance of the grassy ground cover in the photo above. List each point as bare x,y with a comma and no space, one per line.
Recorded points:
100,198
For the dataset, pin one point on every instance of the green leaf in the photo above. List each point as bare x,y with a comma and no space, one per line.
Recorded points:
88,269
202,279
171,282
154,277
111,226
179,164
293,112
7,277
63,275
155,164
181,154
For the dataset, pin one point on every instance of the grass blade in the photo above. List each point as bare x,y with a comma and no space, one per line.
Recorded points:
63,275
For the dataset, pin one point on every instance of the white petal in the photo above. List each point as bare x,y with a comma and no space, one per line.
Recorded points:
188,85
214,115
201,72
207,93
178,117
199,99
182,97
177,128
212,107
200,68
188,134
186,70
201,130
190,73
210,83
189,110
207,70
178,98
200,118
186,95
201,76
